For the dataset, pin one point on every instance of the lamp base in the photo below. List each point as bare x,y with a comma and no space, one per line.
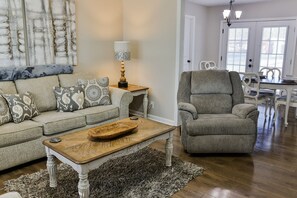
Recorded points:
122,84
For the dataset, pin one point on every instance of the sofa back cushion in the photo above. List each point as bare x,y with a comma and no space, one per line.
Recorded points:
69,80
211,82
8,87
42,91
212,103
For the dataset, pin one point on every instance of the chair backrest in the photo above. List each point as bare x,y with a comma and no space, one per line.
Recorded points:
211,91
208,65
250,85
271,72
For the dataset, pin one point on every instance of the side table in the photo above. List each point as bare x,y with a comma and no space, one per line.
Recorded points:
137,90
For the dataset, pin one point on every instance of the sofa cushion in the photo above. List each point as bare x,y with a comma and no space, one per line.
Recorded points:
42,91
211,82
56,122
96,91
69,99
22,106
223,124
8,87
68,80
212,103
99,113
11,133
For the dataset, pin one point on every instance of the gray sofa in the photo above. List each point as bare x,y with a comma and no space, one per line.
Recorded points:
21,143
213,114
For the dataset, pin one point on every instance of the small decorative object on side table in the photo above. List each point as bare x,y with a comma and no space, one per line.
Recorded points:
137,90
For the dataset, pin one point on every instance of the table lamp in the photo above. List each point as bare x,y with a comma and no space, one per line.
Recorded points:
122,53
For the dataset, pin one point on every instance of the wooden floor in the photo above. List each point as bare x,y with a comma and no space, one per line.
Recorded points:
271,171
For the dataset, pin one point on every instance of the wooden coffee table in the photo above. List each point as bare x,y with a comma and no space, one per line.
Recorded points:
84,155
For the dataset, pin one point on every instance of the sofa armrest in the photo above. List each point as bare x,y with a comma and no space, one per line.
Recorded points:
243,110
183,106
122,99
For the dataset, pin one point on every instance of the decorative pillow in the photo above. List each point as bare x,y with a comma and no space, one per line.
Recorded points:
96,91
22,106
4,111
69,98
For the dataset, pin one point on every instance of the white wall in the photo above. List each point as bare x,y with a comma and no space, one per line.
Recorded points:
271,9
200,13
152,28
99,24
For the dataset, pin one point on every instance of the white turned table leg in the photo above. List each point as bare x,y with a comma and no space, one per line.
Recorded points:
83,186
169,149
52,169
145,104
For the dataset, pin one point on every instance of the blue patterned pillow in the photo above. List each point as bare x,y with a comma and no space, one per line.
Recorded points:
22,106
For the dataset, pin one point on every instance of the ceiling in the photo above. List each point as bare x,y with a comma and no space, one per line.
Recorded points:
224,2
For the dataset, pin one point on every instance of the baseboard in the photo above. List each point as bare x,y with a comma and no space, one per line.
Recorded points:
153,117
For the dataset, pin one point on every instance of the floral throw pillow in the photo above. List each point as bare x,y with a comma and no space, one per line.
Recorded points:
96,91
4,111
69,98
22,106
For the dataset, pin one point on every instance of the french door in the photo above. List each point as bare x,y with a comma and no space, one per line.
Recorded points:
250,46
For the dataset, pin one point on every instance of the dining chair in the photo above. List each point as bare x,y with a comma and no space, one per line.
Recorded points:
251,89
208,65
271,73
282,100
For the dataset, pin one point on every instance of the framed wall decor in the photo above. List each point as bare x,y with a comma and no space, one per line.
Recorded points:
37,32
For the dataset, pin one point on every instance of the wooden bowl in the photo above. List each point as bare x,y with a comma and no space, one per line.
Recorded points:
112,130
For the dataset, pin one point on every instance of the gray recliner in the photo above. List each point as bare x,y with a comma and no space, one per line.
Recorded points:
213,114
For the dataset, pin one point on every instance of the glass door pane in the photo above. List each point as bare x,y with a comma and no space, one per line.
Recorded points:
237,46
273,47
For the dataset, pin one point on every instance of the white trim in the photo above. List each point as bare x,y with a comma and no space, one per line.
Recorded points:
153,117
178,62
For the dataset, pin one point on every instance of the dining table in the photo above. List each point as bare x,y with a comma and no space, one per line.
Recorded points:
281,84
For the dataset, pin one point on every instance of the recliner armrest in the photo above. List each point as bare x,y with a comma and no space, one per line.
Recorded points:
243,110
189,108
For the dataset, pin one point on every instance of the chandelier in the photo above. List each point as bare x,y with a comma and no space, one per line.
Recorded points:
228,13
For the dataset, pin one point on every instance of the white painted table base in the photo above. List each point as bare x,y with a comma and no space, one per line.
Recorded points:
83,169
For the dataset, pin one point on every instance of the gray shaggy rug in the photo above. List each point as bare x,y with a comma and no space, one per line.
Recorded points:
142,174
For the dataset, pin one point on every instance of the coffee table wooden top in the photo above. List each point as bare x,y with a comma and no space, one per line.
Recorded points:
78,148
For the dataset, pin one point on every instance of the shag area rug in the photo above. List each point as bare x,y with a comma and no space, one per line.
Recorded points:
142,174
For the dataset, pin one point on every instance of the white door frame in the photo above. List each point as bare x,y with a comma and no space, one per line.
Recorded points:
288,71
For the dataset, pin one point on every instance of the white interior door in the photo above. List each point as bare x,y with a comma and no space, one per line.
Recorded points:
189,43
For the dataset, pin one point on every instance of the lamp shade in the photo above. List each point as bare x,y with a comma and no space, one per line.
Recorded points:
122,50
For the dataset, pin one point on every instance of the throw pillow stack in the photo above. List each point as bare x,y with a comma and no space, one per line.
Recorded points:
88,93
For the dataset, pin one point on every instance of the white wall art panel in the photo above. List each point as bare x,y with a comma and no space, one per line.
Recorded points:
12,41
51,31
